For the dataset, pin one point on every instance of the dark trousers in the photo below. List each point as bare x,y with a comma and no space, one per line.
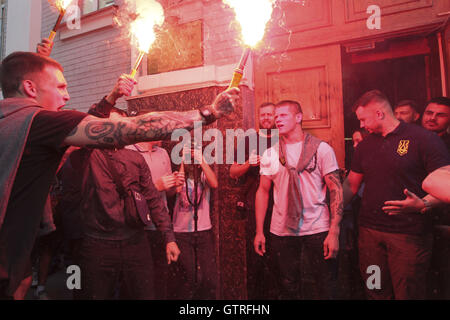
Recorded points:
160,266
198,265
261,273
403,262
105,263
287,252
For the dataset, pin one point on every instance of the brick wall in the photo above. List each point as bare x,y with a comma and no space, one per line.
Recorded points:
92,61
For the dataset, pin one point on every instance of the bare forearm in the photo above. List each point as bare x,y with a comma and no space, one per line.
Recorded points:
336,210
148,127
160,125
238,170
210,176
261,202
336,200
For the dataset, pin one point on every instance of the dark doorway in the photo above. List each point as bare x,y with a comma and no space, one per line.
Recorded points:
400,68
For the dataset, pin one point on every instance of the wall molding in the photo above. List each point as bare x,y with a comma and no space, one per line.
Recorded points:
96,20
189,79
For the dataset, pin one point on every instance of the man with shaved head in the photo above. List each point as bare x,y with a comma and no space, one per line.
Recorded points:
393,161
302,169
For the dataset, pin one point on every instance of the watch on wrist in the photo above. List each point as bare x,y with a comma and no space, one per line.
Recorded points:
207,115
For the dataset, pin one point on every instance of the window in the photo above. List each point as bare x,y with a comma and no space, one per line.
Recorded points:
89,6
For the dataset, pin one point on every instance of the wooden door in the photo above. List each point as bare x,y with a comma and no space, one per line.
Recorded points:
312,77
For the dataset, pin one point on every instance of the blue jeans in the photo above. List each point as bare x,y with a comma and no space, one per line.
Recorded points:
106,263
287,253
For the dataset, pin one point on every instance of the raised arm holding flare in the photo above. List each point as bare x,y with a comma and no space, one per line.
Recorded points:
33,138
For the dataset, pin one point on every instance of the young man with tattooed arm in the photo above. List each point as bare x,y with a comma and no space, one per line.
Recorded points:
33,138
301,168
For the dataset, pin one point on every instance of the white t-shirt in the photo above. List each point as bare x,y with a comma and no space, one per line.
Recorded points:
183,212
315,216
158,162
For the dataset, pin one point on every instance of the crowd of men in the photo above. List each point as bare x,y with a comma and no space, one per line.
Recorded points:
294,194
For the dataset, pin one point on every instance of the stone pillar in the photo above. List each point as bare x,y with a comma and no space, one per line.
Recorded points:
229,227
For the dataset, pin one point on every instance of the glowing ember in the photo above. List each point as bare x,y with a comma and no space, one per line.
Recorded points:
253,16
149,14
62,5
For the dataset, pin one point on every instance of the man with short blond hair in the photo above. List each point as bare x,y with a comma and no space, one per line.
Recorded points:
301,168
393,161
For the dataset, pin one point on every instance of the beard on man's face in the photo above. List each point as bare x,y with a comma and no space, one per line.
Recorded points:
266,124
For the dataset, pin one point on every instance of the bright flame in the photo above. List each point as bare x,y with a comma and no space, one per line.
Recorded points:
253,16
62,4
150,13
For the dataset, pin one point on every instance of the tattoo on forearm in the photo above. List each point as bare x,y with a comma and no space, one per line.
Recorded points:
99,129
148,127
336,194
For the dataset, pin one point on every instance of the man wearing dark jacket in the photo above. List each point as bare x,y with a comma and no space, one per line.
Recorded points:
112,250
33,139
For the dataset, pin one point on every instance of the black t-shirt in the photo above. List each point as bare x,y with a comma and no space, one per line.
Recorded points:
249,181
446,138
42,154
390,164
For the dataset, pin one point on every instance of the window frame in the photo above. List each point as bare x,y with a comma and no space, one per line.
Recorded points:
83,13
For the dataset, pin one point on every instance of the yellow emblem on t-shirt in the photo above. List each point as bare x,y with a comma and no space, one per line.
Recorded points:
403,147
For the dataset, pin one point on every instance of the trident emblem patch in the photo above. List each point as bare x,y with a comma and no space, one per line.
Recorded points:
403,147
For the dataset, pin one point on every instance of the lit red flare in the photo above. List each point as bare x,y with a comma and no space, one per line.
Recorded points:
150,14
62,6
252,16
239,71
